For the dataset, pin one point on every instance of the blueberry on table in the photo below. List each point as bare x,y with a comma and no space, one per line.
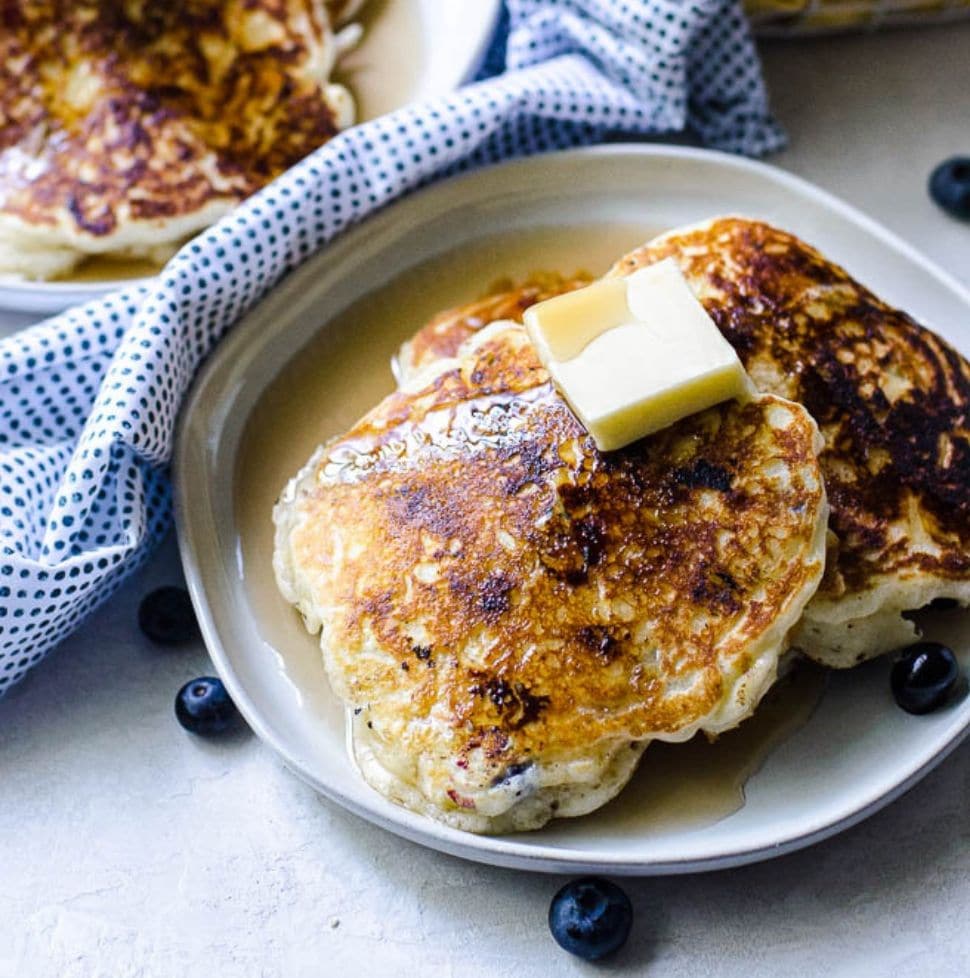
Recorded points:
590,917
950,186
203,707
166,616
923,676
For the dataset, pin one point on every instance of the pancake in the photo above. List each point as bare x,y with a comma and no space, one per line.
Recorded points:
891,399
445,333
128,127
511,616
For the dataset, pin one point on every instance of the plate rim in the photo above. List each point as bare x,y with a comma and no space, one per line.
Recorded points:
500,850
51,297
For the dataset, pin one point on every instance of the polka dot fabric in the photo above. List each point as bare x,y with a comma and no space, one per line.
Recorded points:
88,400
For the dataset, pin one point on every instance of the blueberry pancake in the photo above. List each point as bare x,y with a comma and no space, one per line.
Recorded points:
511,616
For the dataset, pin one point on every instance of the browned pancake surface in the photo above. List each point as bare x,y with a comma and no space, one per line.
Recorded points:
474,559
117,111
446,332
890,397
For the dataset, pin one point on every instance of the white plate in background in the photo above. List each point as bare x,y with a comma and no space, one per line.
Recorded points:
424,47
858,750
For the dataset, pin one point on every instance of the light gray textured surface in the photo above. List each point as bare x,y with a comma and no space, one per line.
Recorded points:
870,116
128,848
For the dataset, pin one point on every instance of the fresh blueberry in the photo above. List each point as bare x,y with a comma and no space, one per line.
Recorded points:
590,917
923,676
203,707
166,616
950,186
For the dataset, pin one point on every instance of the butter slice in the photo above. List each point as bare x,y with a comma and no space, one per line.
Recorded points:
633,355
570,321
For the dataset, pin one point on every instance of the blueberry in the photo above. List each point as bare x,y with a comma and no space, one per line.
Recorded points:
950,186
166,616
203,707
923,676
590,917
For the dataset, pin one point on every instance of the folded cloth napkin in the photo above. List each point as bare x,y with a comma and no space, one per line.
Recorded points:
88,399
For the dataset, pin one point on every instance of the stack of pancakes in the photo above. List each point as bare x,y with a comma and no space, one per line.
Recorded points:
127,127
513,616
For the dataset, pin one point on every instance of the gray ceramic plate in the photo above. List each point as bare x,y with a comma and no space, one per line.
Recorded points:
299,368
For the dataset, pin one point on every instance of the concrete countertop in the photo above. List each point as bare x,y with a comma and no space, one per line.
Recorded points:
128,848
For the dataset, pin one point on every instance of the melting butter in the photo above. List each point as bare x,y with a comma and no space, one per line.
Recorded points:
633,355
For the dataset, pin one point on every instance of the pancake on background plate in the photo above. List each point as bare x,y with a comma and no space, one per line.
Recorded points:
127,127
511,615
891,399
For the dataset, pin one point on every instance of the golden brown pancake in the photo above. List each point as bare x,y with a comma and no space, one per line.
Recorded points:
446,332
126,125
512,615
891,399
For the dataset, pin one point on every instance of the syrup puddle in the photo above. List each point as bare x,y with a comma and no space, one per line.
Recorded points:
689,786
106,268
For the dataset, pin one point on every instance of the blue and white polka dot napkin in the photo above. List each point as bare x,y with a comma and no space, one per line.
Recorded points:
88,399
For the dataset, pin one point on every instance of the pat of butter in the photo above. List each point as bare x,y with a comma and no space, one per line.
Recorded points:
633,355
